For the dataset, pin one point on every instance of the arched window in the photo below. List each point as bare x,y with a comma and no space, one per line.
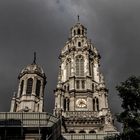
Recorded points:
38,85
71,131
91,66
82,131
93,104
64,102
83,84
65,87
92,71
79,32
92,86
92,131
79,65
68,69
74,32
77,84
29,86
21,87
79,44
97,104
68,104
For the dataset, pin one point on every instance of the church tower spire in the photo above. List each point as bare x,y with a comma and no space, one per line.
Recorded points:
78,17
34,61
30,94
82,97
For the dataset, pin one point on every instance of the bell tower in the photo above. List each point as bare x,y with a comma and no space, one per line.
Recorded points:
30,94
81,94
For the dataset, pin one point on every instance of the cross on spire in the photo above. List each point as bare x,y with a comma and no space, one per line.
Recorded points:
34,61
78,17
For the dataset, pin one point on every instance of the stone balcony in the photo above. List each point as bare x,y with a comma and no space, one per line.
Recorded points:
95,136
81,114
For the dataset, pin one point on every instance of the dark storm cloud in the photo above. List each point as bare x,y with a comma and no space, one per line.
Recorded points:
43,26
117,37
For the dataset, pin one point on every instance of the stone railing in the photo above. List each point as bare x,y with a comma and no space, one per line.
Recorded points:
81,114
97,136
42,119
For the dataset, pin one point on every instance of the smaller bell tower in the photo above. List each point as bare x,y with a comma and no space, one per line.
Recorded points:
30,94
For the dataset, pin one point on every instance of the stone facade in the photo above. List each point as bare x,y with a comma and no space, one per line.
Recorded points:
30,95
81,97
27,119
29,126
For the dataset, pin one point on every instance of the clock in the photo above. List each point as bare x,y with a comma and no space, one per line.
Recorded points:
82,103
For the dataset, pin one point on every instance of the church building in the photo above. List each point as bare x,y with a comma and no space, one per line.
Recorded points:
81,97
27,119
81,110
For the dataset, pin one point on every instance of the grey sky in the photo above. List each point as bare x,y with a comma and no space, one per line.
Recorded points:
43,26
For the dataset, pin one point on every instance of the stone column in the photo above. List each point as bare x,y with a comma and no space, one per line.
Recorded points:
71,104
86,66
62,102
72,67
42,89
13,105
34,86
59,101
41,105
89,104
96,71
25,87
19,88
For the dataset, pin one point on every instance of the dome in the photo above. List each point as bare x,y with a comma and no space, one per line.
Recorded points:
78,25
32,69
78,29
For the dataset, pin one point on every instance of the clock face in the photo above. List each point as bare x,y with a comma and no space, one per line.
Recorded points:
81,103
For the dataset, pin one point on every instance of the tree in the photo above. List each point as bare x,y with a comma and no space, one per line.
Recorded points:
129,92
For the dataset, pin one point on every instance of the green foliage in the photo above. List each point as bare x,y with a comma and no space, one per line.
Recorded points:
116,137
129,92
